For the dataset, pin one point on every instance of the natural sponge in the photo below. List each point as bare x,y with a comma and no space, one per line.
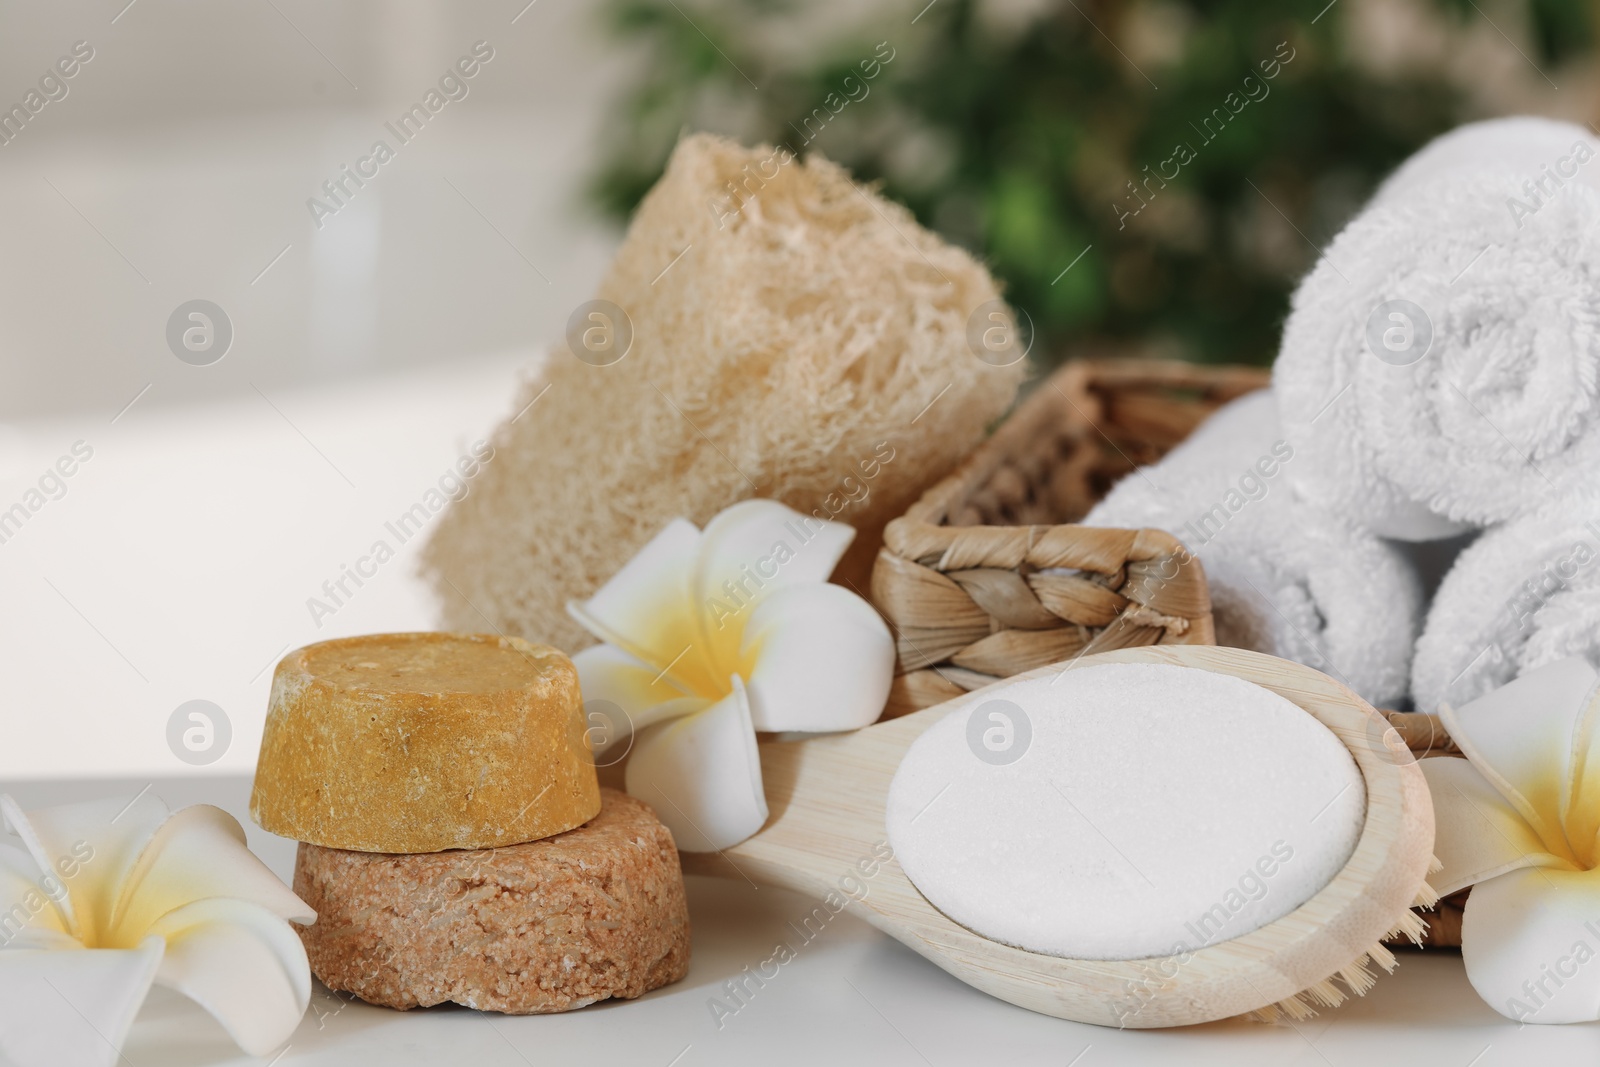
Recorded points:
793,336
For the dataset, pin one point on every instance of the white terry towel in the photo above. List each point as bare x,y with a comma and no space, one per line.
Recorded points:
1490,398
1284,579
1525,594
1526,148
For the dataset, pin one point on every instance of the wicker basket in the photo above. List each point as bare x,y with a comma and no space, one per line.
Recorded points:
984,577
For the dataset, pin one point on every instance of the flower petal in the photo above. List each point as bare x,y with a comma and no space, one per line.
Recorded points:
702,775
754,548
1522,736
29,915
243,964
1581,817
653,582
820,657
622,695
1530,943
648,610
1477,833
749,552
105,837
199,852
72,1006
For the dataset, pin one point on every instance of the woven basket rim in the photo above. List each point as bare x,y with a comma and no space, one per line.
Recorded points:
924,524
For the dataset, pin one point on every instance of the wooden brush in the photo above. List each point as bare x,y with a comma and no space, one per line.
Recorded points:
826,835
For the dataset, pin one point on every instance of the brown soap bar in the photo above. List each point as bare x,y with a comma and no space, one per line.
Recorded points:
425,741
542,927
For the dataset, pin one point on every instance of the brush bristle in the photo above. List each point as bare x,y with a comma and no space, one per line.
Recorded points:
1427,896
1381,955
1413,928
1357,976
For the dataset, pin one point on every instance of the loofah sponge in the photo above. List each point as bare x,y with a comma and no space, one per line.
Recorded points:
794,336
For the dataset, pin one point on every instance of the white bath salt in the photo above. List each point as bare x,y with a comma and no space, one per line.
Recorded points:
1124,811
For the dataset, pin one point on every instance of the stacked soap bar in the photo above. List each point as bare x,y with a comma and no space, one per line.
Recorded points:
388,755
423,742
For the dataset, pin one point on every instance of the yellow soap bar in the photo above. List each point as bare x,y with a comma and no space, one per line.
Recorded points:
422,742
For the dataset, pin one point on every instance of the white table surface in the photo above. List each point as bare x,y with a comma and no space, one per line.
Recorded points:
851,996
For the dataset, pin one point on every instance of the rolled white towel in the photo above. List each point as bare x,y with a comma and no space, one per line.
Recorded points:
1525,148
1440,367
1524,594
1285,579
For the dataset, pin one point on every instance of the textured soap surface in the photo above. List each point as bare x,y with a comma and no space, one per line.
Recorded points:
1153,809
422,742
546,926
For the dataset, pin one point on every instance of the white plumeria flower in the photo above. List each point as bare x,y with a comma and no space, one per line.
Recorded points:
712,636
1518,820
108,897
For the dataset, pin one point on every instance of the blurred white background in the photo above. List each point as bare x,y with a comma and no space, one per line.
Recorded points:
368,353
179,164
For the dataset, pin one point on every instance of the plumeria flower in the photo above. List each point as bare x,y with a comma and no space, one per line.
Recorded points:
1518,820
107,897
711,636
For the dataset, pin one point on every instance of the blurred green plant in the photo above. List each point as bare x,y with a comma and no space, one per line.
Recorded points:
1154,173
